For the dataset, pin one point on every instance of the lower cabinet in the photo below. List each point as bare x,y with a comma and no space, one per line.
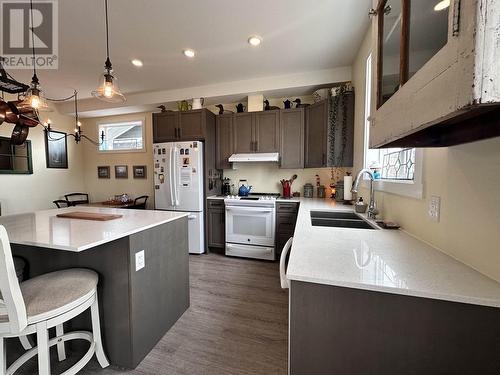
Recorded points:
286,218
216,226
340,330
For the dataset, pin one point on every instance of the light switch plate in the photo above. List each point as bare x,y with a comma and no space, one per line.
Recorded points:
140,260
435,208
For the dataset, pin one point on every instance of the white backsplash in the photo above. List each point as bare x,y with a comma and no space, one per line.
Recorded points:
265,177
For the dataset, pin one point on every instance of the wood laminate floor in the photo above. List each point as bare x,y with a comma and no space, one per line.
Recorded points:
237,324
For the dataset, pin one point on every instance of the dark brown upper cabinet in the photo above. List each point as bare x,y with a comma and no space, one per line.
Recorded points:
225,140
256,132
316,134
329,140
435,79
244,132
292,138
181,125
267,131
192,124
340,145
165,126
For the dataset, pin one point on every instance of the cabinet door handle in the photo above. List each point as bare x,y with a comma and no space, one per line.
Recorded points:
178,132
175,135
323,160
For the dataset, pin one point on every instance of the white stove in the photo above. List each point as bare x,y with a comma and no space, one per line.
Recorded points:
250,225
251,200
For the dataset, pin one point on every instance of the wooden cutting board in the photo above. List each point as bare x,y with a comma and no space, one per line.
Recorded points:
89,216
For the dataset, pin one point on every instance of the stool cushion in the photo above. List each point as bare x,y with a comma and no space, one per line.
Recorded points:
53,291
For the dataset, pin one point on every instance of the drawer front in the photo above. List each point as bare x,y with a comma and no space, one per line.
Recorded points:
216,203
286,222
287,207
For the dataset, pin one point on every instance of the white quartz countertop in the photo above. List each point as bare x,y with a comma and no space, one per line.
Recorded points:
381,260
45,229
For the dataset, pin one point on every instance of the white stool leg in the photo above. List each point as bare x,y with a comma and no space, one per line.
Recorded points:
42,338
61,350
3,357
96,332
25,342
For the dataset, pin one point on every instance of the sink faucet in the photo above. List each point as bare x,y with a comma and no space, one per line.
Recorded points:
372,211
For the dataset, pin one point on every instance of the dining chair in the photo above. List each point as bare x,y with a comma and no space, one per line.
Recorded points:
61,203
42,303
140,202
77,198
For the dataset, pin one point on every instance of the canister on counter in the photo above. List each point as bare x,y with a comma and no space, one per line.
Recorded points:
339,195
321,191
308,190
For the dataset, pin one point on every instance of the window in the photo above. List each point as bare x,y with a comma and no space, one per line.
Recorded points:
15,159
398,170
122,136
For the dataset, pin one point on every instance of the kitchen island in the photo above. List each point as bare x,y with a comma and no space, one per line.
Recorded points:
375,301
142,262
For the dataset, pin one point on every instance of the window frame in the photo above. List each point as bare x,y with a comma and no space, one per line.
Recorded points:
408,188
142,120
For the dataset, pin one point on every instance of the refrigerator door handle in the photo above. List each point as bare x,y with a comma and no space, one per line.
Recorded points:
170,178
176,193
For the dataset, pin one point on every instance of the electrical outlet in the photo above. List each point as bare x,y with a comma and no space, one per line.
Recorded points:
140,260
435,208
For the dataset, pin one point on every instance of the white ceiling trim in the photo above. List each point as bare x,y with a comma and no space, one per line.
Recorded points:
141,102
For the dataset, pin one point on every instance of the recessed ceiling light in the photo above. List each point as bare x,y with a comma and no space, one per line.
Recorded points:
254,40
188,52
137,62
442,5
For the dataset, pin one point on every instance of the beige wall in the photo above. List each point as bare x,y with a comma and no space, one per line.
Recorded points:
466,177
23,193
265,177
101,189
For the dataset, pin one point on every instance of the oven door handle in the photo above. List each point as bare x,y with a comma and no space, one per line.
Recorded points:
250,209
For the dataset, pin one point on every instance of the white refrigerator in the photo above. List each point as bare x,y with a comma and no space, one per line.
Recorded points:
178,179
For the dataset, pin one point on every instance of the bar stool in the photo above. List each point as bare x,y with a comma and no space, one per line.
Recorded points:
44,302
285,284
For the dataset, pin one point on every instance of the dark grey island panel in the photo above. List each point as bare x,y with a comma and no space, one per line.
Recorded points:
337,330
137,307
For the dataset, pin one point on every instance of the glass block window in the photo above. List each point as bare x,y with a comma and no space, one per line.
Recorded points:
123,136
393,163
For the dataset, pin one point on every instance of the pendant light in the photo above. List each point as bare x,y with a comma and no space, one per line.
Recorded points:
34,97
108,89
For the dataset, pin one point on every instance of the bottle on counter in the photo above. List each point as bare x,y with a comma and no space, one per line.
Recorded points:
308,190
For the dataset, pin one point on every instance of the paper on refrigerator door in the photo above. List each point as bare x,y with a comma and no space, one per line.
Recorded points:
186,176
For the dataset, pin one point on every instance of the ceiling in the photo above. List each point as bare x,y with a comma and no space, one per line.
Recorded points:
298,36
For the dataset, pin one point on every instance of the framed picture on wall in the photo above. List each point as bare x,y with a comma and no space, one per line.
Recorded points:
121,171
103,171
56,149
139,171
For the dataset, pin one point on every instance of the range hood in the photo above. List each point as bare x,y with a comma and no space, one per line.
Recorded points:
255,157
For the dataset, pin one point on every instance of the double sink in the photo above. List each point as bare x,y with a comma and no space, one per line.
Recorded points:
339,219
